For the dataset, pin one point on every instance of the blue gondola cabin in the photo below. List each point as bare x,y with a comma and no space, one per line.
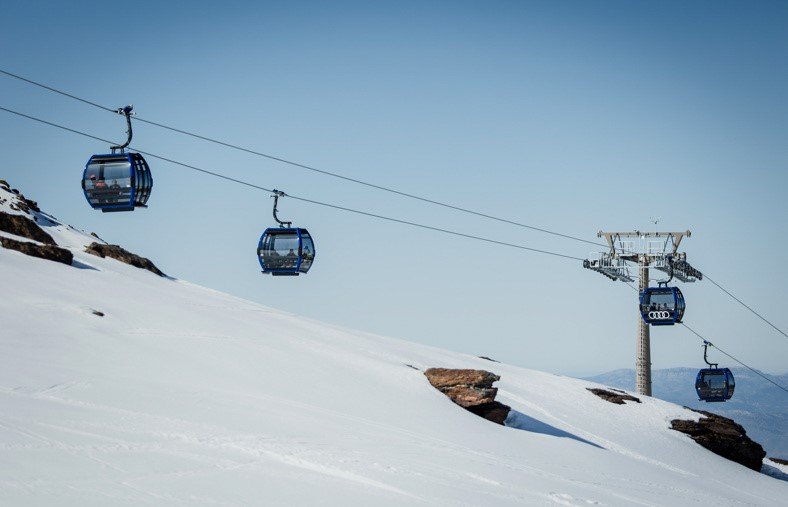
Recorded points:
662,306
286,251
714,384
117,182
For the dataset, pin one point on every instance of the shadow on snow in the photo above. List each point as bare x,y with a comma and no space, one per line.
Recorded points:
520,421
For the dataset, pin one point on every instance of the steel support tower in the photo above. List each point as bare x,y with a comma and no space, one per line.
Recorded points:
641,251
643,350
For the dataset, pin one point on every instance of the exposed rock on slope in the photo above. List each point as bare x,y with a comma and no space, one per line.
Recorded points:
496,411
465,387
618,397
18,216
49,252
470,389
23,226
22,203
123,255
723,437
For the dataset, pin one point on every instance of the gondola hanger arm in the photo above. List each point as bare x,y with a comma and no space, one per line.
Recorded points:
128,112
706,345
664,283
276,195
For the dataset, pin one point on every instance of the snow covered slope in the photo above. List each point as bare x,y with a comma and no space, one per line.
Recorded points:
181,395
760,407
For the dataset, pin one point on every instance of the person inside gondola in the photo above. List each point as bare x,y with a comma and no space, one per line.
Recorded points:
99,188
114,190
97,183
291,259
271,258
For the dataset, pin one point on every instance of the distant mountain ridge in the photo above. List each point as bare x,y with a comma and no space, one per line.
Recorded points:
759,406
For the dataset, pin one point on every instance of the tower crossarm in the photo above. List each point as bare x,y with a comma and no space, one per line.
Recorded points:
615,242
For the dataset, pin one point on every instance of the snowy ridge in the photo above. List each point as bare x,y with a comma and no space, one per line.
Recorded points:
181,395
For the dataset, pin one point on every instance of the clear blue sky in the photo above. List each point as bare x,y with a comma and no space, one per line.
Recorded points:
574,116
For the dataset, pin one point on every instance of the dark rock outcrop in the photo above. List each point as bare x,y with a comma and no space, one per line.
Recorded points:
49,252
23,226
470,389
25,204
123,255
496,411
723,437
780,461
20,202
618,398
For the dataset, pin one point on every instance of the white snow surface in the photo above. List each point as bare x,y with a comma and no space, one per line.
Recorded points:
182,395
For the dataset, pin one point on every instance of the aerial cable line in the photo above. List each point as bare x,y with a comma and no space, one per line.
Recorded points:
741,363
303,199
41,85
745,305
307,167
353,180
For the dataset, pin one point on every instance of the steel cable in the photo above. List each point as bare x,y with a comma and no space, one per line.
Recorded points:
305,166
303,199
